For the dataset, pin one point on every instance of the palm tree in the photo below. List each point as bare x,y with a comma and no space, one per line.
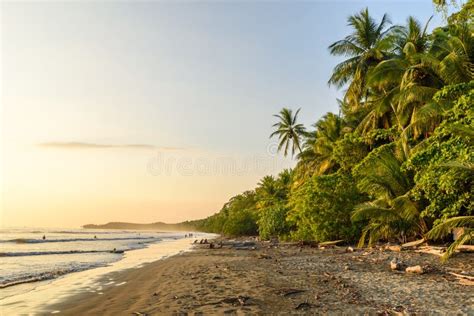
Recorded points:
368,44
400,82
271,191
392,213
412,37
448,61
445,228
404,85
289,132
266,191
284,179
319,145
452,56
329,130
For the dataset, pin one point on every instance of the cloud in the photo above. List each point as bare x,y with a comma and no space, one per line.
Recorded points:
84,145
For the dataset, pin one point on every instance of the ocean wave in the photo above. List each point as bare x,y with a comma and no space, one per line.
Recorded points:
90,232
43,276
37,241
66,252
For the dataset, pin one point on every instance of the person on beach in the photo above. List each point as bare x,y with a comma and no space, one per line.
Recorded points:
44,237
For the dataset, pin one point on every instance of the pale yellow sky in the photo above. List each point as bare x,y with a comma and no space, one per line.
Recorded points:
95,93
86,115
61,186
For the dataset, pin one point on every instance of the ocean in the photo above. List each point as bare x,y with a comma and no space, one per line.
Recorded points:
33,258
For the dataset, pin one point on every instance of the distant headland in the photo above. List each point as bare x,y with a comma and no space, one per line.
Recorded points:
134,226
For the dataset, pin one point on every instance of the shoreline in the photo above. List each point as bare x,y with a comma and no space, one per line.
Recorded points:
282,279
32,297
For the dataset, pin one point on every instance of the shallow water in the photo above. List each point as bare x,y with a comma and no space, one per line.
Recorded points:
28,255
43,271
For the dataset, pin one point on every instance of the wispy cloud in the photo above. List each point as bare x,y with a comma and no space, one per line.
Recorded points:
84,145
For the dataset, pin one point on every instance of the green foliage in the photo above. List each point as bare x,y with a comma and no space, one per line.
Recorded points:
241,223
288,131
272,222
238,217
380,175
321,208
272,196
368,44
448,189
381,135
319,145
350,150
465,15
443,229
391,211
397,159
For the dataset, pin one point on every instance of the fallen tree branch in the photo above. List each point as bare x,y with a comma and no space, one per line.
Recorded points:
468,277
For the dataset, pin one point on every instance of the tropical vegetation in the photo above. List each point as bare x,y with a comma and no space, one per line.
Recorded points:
396,163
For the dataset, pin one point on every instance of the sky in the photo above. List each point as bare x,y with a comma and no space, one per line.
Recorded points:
157,110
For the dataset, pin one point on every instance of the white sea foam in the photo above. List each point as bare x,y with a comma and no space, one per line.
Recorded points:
33,275
40,254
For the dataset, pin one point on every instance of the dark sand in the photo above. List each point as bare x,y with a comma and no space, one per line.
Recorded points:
284,279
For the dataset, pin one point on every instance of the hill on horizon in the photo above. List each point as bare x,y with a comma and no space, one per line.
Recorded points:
136,226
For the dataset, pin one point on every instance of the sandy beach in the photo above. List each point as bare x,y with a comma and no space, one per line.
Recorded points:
30,298
282,279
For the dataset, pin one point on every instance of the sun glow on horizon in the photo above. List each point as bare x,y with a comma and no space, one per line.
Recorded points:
153,111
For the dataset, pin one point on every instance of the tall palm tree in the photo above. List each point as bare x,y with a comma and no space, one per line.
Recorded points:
449,61
368,44
453,52
289,132
267,190
400,80
413,37
319,145
392,213
271,190
403,86
284,179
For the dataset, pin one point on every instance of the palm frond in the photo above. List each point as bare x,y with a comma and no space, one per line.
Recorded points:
443,229
464,238
371,210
